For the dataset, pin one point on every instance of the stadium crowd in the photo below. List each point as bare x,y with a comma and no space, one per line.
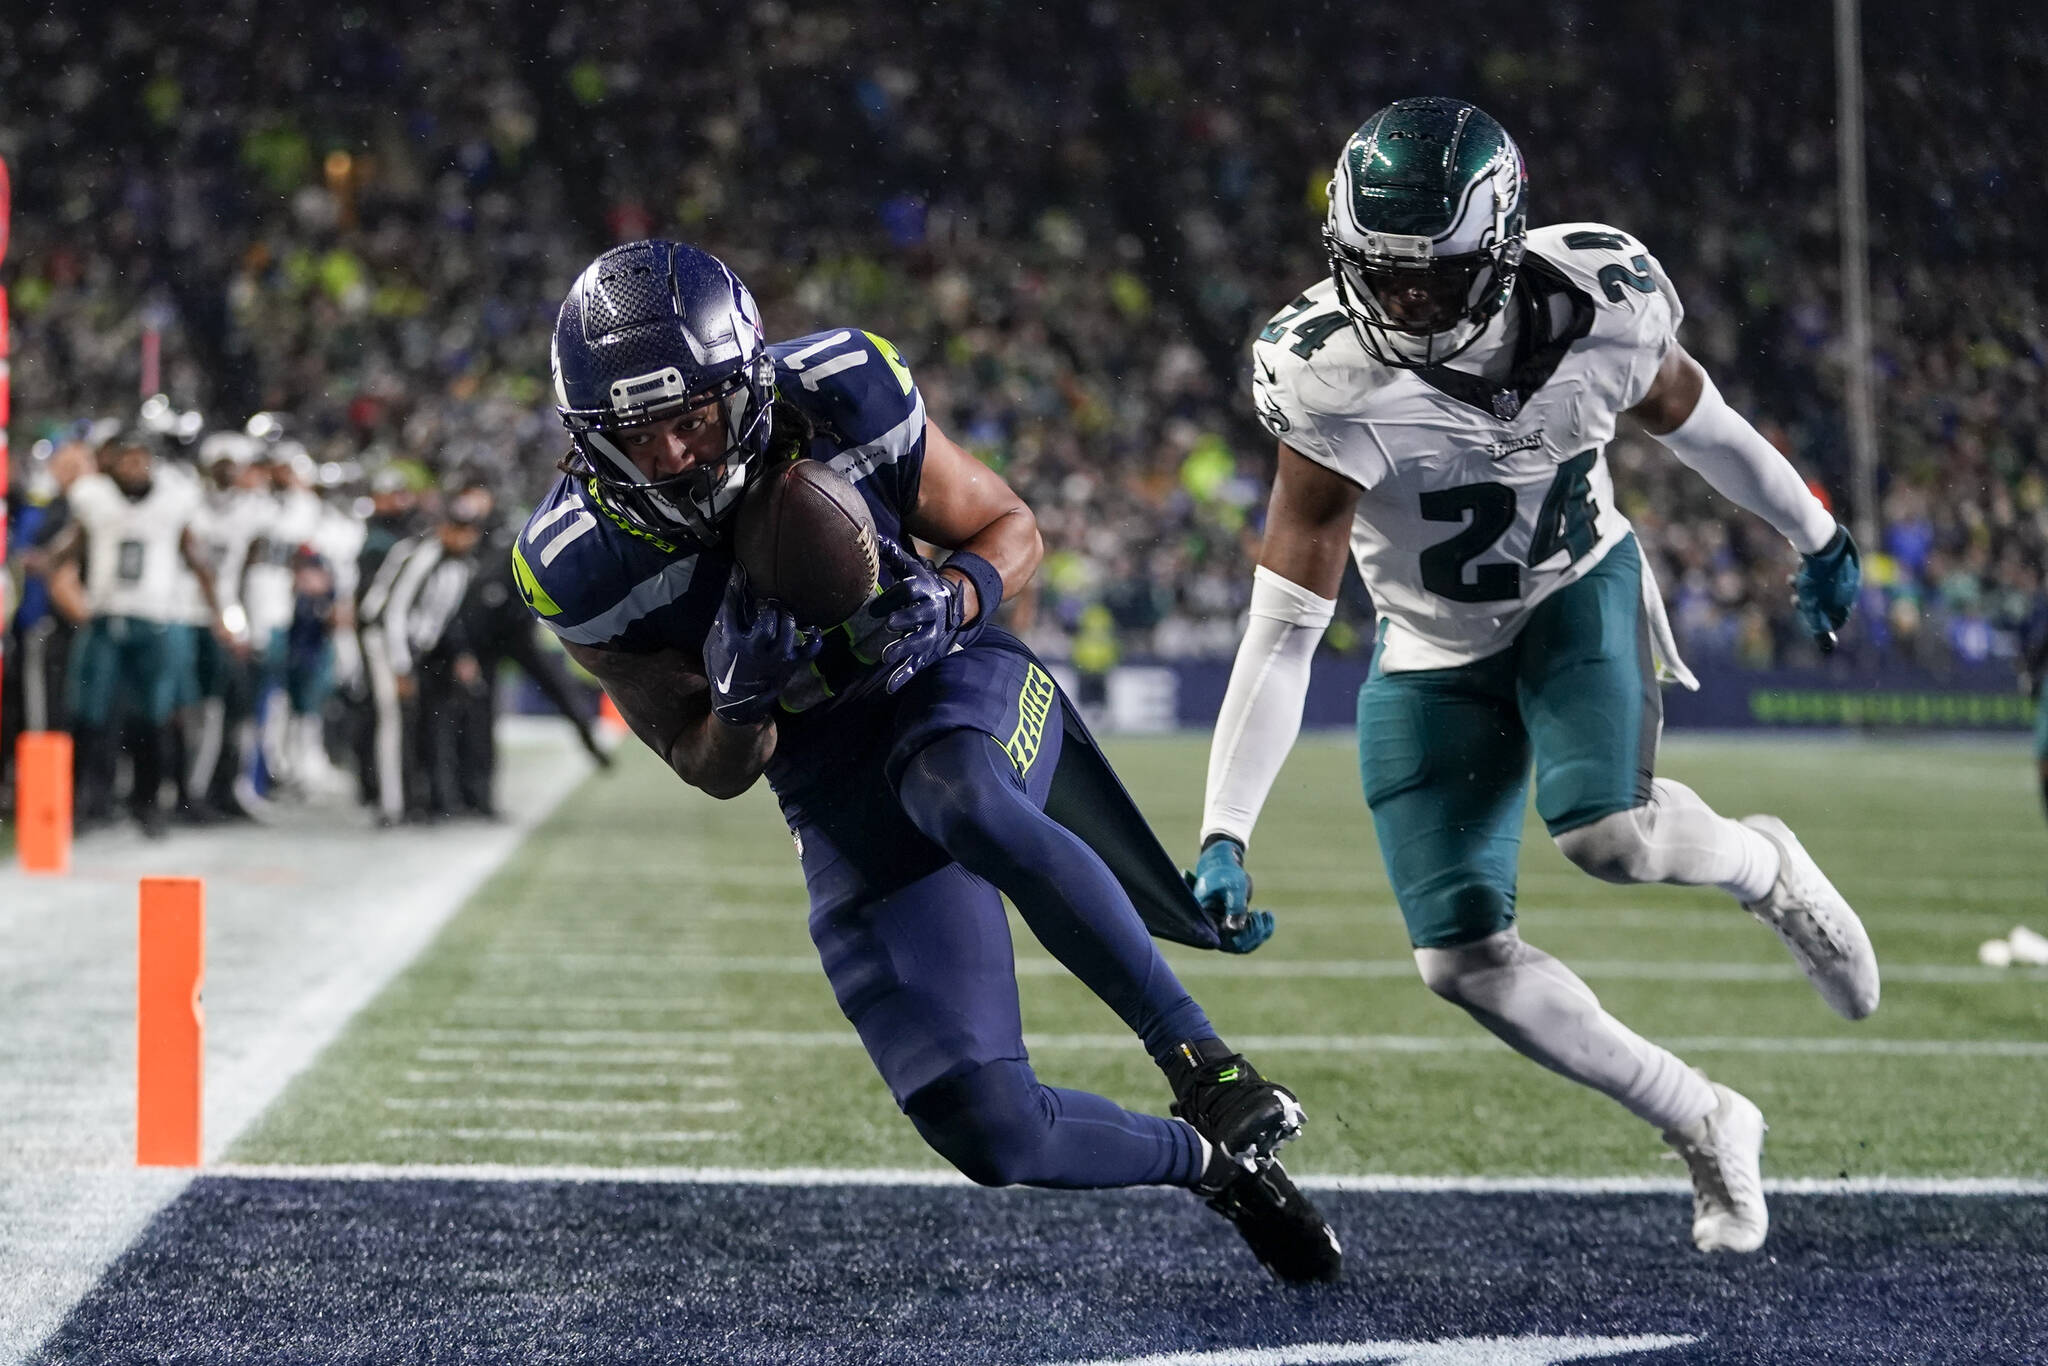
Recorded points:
1070,218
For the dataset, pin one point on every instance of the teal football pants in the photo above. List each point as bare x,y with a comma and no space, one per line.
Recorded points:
1445,753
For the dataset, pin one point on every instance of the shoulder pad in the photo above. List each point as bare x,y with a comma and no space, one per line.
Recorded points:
856,389
1608,264
848,379
585,575
1311,380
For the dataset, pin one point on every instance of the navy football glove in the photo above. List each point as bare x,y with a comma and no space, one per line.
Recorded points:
754,649
1825,588
1224,888
924,610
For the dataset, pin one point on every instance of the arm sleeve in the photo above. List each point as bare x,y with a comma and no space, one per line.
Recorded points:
1261,714
1719,445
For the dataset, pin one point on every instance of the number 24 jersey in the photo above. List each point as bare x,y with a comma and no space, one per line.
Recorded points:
1479,499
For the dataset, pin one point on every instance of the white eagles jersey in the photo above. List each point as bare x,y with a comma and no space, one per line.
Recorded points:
1479,499
291,519
225,524
133,553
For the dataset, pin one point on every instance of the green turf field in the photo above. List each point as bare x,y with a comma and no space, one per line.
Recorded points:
636,988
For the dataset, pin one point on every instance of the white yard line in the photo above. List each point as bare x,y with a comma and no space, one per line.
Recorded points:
566,1107
684,1040
905,1176
567,1057
586,1137
306,922
595,1079
1215,965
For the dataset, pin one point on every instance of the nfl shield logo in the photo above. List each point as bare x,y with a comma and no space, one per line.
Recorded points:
1506,403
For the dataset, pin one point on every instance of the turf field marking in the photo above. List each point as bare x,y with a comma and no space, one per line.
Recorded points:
1973,1186
593,1107
581,1136
1342,968
569,1057
1278,1043
1566,917
1521,1351
581,1079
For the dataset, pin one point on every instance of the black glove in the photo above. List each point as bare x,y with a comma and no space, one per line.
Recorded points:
754,649
924,610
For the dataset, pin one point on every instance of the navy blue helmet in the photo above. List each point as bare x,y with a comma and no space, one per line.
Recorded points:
649,330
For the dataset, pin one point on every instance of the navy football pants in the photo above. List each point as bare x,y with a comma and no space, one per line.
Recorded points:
926,976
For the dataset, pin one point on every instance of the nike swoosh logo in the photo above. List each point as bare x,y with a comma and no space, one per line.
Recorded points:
1272,375
726,682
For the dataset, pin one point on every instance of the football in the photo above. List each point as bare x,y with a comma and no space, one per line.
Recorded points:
806,540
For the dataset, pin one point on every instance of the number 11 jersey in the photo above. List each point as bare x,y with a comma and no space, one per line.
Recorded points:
1480,498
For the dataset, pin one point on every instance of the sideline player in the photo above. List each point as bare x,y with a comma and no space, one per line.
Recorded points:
1442,401
912,753
133,525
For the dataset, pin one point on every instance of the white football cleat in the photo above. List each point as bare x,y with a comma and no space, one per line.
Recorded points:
1817,925
1724,1152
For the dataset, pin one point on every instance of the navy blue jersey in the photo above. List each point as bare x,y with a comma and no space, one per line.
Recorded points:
595,580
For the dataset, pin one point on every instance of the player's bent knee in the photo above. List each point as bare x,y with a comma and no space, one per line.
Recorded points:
952,794
1615,848
991,1123
1449,971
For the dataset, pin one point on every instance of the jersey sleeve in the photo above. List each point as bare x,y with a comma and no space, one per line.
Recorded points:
1629,285
592,583
1310,410
856,385
90,500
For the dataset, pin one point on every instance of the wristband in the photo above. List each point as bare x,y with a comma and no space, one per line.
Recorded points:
988,588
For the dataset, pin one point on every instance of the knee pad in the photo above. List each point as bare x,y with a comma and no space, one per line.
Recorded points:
991,1122
952,793
1615,848
1448,972
1502,978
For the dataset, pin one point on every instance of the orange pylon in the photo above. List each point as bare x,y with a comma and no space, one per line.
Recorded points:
42,801
170,1027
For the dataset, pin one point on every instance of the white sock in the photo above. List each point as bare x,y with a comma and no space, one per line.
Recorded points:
1544,1011
1759,872
1675,837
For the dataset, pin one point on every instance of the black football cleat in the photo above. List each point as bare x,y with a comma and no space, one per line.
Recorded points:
1285,1231
1229,1103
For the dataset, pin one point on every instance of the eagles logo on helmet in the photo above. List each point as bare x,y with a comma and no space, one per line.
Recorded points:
1425,232
650,330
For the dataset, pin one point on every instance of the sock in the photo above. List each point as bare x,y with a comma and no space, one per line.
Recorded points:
1541,1009
1675,837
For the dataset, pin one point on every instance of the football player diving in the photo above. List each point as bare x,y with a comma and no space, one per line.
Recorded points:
924,760
1442,401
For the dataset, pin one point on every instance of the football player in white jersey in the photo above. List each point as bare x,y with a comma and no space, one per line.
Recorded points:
1442,402
133,524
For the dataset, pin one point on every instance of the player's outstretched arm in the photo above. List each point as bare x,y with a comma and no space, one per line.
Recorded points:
1294,592
666,700
1685,412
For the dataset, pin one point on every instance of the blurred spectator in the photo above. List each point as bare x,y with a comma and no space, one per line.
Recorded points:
1070,217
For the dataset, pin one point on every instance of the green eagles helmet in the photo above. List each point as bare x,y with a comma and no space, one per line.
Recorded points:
1425,232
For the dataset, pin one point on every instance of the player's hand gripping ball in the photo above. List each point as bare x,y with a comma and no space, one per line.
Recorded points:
1224,888
1824,590
752,652
807,542
923,609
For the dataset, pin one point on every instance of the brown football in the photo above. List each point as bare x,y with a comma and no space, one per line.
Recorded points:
806,539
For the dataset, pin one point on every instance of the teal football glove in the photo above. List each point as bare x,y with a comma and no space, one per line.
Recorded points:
1224,888
1825,588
